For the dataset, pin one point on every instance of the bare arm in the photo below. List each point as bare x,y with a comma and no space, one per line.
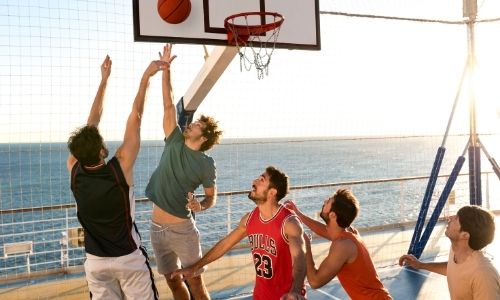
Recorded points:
169,112
317,227
339,254
128,150
95,113
411,261
295,234
216,251
96,110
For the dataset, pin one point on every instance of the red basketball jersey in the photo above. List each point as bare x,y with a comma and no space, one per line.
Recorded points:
271,254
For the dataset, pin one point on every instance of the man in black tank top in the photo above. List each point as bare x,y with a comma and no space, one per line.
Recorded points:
117,265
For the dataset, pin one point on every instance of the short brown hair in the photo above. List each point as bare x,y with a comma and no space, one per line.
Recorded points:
345,206
211,132
278,180
85,144
479,223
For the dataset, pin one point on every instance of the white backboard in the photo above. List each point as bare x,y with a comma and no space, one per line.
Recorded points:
205,23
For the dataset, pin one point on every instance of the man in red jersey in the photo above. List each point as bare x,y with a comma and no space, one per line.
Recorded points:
348,258
276,240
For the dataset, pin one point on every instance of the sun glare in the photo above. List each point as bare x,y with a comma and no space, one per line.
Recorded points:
487,95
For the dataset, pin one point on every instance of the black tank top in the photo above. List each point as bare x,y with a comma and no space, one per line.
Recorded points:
103,209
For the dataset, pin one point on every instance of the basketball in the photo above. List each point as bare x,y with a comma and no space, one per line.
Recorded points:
174,11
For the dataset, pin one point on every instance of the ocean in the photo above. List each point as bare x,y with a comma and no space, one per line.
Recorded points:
35,175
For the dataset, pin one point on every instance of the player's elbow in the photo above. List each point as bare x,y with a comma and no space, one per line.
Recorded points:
210,201
314,282
315,285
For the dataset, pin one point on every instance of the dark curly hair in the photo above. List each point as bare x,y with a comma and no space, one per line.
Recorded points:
345,206
210,132
85,145
279,181
479,223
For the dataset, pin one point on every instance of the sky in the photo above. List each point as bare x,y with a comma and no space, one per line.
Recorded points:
372,77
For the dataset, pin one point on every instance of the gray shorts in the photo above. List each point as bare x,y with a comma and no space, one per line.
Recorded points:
175,245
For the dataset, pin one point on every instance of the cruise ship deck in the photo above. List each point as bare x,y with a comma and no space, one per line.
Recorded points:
231,277
364,109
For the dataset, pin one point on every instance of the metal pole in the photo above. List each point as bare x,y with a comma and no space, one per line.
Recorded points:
28,263
66,246
228,214
470,13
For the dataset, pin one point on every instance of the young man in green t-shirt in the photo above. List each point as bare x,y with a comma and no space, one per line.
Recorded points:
183,167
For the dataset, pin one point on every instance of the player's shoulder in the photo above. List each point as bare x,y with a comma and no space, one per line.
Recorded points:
293,225
344,244
244,220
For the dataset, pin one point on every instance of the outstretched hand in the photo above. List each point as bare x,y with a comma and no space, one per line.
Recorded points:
409,260
106,68
167,54
155,66
290,204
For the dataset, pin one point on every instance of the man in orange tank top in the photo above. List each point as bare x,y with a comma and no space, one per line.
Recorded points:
348,257
276,239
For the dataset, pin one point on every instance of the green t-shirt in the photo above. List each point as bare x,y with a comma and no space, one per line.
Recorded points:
180,171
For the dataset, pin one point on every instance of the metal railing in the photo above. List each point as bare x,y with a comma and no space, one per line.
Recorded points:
55,245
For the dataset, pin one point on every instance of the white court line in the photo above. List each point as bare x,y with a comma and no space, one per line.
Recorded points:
424,274
239,297
383,269
419,273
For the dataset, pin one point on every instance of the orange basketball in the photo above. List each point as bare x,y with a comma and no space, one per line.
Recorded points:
174,11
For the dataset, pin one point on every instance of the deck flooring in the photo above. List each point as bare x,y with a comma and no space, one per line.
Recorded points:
232,276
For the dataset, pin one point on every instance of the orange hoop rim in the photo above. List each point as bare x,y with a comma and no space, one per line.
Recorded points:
248,30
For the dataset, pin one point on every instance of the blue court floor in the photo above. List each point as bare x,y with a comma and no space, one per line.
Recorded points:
402,283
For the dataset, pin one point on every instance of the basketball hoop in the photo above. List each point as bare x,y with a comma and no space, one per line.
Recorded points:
254,31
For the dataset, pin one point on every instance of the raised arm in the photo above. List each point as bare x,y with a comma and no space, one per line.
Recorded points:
217,251
127,152
169,112
96,110
95,113
295,234
317,227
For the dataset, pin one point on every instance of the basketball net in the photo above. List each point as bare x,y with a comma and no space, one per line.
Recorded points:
255,43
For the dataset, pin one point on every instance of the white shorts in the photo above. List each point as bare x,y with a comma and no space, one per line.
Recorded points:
123,277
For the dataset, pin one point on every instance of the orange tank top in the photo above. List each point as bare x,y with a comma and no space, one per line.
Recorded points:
359,278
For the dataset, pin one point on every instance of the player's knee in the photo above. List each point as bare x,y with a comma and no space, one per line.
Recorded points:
198,288
195,281
174,282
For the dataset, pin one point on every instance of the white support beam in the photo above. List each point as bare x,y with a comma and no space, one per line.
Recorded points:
213,68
